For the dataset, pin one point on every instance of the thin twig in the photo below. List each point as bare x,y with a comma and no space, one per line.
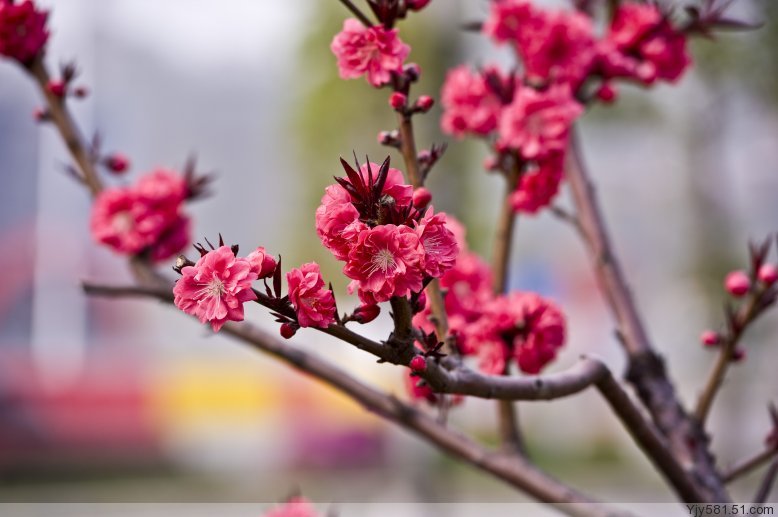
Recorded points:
645,370
767,483
570,219
749,465
357,12
67,128
726,350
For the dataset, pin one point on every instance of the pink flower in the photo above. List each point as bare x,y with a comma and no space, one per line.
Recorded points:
439,243
532,327
643,34
387,261
262,264
312,300
469,104
23,30
295,507
216,287
375,51
537,123
493,356
767,274
553,45
122,222
162,189
175,238
145,216
418,389
539,185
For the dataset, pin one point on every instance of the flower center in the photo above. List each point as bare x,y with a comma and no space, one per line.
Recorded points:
383,261
122,222
216,288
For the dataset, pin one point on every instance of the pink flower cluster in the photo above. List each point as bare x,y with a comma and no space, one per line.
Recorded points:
387,246
520,325
532,112
216,287
23,30
312,300
375,51
145,217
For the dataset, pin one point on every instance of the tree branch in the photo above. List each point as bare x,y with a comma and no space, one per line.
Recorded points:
767,483
67,128
750,464
507,414
646,370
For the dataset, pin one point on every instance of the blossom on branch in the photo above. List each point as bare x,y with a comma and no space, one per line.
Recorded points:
439,243
470,104
538,185
537,123
375,51
216,287
146,216
23,31
313,302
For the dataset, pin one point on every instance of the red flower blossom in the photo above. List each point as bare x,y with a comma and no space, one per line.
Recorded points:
539,185
387,261
439,243
312,300
23,30
537,123
372,51
262,264
216,287
469,104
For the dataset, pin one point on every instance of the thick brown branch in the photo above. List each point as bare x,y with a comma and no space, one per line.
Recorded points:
67,128
646,370
515,472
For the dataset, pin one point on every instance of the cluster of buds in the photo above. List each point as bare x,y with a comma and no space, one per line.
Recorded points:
752,292
63,87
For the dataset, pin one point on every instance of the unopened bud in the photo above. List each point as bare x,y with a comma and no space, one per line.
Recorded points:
737,283
607,93
81,92
56,88
288,330
397,100
767,274
366,313
418,364
710,338
417,5
421,197
412,72
117,163
424,103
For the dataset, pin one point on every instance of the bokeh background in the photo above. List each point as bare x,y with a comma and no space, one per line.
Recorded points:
130,401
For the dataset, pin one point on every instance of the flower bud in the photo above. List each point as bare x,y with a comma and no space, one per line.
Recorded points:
117,163
607,93
737,283
397,100
288,330
646,72
40,114
412,72
417,5
418,364
738,355
421,197
710,338
81,91
366,313
491,163
767,274
424,103
56,88
389,138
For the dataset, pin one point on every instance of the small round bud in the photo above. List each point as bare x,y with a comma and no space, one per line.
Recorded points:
40,114
417,5
738,355
607,93
288,330
710,338
412,71
424,103
768,274
366,313
418,364
491,163
737,283
421,197
117,163
397,100
56,88
81,91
